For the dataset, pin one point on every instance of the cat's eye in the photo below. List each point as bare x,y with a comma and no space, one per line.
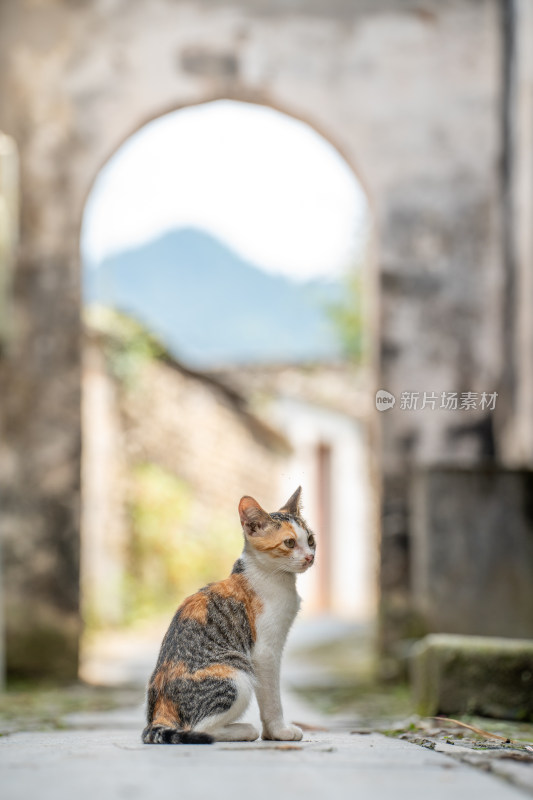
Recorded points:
311,541
290,542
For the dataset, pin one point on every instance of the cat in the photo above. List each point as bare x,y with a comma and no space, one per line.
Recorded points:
226,640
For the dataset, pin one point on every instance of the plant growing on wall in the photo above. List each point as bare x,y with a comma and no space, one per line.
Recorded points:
171,554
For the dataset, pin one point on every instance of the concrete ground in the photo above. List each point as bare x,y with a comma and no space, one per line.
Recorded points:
100,755
111,763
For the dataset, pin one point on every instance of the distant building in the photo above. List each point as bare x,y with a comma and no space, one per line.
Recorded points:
163,424
258,431
323,412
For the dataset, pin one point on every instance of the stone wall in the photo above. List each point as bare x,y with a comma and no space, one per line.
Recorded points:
473,551
104,522
191,428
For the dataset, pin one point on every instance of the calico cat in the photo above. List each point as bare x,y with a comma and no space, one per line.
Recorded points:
226,640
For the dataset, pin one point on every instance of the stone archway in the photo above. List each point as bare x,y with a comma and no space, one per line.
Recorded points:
348,542
77,80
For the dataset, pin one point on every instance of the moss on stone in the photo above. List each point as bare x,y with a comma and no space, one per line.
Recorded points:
474,675
42,651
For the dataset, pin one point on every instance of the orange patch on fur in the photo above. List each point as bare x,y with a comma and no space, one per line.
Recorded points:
274,541
237,587
214,671
179,670
173,671
165,713
195,607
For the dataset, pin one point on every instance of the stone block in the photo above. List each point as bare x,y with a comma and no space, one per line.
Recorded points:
471,556
483,675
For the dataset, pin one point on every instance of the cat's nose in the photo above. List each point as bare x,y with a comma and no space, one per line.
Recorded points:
310,558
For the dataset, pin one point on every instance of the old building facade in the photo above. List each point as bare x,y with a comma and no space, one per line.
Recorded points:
429,102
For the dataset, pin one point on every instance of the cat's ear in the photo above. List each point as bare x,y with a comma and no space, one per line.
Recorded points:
293,504
254,519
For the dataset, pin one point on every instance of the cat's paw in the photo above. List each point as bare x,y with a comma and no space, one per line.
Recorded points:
282,733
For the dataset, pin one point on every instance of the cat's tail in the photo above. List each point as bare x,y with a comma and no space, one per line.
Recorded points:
162,734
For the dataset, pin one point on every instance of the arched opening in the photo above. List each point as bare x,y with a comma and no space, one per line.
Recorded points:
224,255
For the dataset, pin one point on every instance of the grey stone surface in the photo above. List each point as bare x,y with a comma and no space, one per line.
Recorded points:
472,551
114,764
502,764
99,754
481,675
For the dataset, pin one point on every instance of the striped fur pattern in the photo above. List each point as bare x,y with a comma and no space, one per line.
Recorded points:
210,660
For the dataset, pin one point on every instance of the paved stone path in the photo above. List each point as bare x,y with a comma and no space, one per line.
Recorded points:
102,764
99,756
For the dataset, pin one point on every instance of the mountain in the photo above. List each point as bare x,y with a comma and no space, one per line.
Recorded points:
210,307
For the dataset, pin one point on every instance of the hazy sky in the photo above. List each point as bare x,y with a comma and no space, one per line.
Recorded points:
265,184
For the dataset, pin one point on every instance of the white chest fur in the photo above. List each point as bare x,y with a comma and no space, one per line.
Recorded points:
280,603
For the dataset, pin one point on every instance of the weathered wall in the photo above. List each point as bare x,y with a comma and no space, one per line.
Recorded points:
409,92
104,522
472,545
516,419
191,429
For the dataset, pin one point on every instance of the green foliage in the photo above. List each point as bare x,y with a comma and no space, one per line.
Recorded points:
348,319
128,346
171,554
